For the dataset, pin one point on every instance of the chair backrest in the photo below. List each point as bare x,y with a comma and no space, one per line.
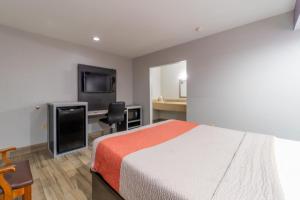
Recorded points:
116,112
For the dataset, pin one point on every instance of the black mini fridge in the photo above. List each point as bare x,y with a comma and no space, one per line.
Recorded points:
67,127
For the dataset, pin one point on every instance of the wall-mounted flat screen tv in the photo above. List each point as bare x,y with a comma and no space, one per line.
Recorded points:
98,82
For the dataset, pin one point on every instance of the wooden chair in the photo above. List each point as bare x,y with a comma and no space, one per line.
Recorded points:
15,178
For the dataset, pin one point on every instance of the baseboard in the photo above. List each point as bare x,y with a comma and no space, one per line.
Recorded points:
31,149
44,146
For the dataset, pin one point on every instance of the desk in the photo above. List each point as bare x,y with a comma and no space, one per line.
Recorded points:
133,116
97,113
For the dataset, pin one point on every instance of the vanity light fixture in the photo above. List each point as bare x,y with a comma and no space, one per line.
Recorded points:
182,76
96,38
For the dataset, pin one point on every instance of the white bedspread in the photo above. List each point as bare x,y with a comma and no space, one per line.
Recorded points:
252,175
187,167
287,157
210,163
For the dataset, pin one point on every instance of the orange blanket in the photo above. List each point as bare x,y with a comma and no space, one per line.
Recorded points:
111,151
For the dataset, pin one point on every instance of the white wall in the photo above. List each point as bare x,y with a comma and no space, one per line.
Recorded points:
165,80
170,79
247,78
155,89
35,70
155,82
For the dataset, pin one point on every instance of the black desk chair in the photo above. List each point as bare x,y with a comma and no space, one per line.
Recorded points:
115,115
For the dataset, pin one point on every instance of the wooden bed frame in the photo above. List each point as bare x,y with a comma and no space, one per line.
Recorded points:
101,190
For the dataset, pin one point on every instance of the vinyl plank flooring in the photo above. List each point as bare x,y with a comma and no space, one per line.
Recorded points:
67,177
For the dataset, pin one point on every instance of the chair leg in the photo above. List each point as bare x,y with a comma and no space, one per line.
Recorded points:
27,193
6,189
112,128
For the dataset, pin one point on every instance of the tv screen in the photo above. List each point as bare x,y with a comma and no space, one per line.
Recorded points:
95,82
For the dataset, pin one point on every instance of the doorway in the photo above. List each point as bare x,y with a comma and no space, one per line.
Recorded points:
168,92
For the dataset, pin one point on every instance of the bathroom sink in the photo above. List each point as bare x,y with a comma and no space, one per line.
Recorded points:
170,105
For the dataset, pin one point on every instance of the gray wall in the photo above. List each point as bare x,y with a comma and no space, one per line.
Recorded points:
35,70
247,78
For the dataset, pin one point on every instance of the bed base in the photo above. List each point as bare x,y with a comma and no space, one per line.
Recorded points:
101,190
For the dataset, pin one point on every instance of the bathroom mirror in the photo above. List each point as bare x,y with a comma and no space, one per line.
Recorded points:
182,89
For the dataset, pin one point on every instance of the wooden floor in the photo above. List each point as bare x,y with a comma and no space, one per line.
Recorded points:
67,177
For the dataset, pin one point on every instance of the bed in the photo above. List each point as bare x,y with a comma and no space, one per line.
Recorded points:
182,160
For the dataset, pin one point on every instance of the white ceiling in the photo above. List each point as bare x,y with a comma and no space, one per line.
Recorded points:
133,28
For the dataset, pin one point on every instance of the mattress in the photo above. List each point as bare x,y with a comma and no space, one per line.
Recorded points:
182,160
